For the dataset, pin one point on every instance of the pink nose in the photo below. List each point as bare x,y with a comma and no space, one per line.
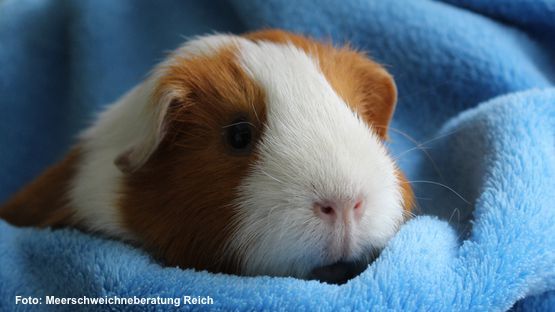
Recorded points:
334,210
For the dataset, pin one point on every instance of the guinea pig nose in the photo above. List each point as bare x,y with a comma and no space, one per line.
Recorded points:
332,210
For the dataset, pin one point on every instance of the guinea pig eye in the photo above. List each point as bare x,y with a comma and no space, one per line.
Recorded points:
239,135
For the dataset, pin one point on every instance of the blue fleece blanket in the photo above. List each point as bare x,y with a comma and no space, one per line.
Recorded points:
476,97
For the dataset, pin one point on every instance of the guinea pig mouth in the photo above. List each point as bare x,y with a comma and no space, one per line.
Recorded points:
339,272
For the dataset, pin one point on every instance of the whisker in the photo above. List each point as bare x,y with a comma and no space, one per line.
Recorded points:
417,146
417,208
426,153
442,185
458,213
270,176
238,123
255,113
408,214
429,141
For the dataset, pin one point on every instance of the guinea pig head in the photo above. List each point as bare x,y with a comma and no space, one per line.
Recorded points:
261,154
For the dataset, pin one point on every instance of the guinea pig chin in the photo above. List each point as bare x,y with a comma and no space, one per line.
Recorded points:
323,189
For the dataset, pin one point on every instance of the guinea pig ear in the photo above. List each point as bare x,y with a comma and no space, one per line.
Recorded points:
379,98
134,126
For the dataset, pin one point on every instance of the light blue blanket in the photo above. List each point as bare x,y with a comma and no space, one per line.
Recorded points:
476,95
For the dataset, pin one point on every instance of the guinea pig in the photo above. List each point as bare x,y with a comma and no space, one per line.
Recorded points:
259,154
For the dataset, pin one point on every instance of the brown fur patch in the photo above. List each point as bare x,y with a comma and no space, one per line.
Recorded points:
178,203
44,201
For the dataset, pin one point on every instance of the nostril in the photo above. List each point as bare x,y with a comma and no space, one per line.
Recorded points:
328,210
358,210
332,210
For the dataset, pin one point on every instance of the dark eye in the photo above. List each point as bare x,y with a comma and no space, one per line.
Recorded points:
239,135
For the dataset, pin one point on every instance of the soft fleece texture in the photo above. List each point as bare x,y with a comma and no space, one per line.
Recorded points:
475,82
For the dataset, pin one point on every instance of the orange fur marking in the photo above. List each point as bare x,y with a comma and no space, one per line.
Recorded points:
44,201
188,225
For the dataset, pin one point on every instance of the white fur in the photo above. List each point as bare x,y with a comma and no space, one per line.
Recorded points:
206,45
132,127
314,147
